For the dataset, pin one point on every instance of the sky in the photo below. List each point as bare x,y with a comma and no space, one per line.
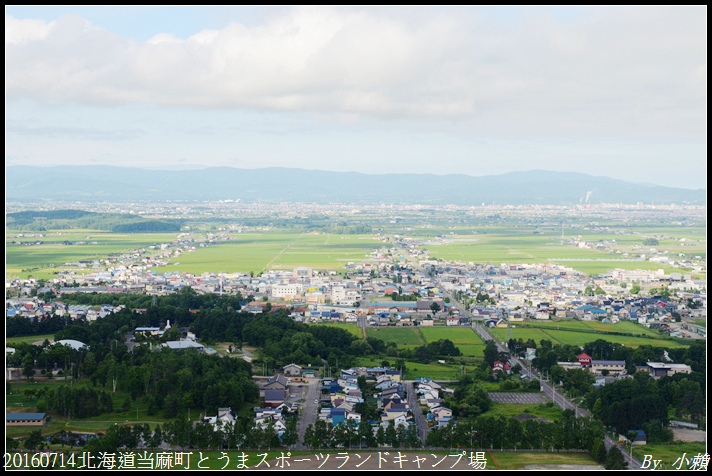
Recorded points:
615,91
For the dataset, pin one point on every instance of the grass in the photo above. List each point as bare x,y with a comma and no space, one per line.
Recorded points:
541,410
258,252
352,328
701,322
458,335
42,261
415,370
554,331
399,335
10,341
18,401
517,460
670,452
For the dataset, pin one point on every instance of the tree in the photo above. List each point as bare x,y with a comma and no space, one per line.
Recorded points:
490,352
615,459
435,307
34,441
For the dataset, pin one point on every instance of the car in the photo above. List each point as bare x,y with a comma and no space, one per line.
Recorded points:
316,401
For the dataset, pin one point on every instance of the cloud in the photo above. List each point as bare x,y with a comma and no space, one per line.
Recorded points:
22,31
614,73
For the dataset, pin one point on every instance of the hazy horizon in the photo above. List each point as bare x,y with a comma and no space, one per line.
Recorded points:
607,91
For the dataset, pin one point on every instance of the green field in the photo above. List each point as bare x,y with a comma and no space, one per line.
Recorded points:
512,245
701,322
436,371
352,328
469,350
42,261
581,332
400,335
458,335
540,410
28,339
258,252
670,452
518,460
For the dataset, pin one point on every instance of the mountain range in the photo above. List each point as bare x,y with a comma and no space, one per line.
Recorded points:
277,184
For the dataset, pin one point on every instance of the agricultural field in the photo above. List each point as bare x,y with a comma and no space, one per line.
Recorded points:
402,336
541,245
458,335
43,260
573,337
540,410
352,328
258,252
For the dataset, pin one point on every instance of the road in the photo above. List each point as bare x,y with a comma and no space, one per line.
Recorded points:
420,421
308,410
557,397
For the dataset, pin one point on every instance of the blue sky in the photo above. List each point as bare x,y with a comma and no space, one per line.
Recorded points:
609,91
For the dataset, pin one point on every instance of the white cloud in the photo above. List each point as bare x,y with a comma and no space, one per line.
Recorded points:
23,31
610,73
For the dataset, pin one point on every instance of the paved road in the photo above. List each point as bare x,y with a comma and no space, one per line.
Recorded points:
308,410
557,397
420,421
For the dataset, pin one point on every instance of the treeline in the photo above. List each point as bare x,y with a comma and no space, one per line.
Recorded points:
79,219
503,432
547,354
182,433
76,402
643,403
168,381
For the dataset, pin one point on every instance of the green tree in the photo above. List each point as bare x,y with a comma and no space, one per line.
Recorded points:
615,459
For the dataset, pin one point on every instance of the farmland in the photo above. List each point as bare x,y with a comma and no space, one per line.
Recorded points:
402,336
569,333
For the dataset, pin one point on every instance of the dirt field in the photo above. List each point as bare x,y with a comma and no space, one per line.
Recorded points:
684,434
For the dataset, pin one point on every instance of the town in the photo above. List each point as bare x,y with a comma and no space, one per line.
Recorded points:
313,401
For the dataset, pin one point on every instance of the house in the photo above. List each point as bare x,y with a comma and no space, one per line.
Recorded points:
639,439
501,367
275,397
613,367
292,370
25,419
278,382
584,359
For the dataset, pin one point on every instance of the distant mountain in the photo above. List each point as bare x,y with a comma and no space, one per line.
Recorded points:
106,183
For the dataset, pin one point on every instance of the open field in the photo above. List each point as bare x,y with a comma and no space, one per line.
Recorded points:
440,372
670,452
563,332
399,335
458,335
352,328
543,461
496,248
469,350
41,261
28,339
541,410
257,252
